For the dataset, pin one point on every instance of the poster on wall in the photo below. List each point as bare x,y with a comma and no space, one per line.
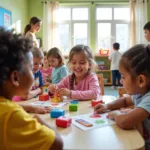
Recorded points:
5,18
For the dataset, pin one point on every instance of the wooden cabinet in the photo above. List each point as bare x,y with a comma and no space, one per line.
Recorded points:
104,68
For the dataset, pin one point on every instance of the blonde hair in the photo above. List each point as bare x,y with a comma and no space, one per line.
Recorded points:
36,52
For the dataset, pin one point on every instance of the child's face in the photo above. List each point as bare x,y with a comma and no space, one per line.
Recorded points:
53,61
127,81
79,65
147,34
36,64
45,62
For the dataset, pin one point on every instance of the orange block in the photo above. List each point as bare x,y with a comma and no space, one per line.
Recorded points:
43,97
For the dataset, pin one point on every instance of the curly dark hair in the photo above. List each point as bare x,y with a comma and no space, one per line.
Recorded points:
13,53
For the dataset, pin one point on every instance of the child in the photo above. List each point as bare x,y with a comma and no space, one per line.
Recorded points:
147,31
135,71
46,70
114,58
18,130
82,84
56,60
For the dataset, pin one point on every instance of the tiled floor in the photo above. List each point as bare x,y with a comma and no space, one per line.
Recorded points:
109,91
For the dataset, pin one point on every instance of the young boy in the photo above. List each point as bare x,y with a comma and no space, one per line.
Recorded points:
147,31
115,58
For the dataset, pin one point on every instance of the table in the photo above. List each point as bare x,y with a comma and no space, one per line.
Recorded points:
109,137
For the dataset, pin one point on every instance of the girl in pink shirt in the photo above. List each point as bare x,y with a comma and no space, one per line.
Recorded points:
46,70
82,84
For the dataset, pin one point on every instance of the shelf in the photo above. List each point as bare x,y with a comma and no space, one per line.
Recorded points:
98,56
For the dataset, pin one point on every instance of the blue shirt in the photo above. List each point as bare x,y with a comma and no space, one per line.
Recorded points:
59,73
144,102
38,81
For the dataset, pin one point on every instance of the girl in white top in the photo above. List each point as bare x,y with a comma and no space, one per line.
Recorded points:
32,28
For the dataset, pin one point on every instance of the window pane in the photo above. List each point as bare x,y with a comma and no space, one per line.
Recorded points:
80,33
80,13
63,14
63,34
104,13
121,14
122,36
104,34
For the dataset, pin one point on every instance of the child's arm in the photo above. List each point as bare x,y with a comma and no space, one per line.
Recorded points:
117,104
58,144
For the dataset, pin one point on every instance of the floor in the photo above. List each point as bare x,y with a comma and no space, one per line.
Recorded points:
109,91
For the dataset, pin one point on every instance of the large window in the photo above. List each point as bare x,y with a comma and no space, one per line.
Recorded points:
112,26
72,27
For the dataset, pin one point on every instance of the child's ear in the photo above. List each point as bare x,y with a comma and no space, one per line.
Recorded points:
142,81
15,78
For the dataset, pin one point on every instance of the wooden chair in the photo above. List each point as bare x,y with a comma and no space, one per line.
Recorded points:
101,83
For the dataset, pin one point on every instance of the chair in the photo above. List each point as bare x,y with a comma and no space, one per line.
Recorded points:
101,83
121,91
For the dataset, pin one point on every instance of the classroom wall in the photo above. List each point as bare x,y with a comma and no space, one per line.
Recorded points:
19,9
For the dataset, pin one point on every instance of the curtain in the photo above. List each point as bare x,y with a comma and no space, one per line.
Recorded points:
138,18
49,24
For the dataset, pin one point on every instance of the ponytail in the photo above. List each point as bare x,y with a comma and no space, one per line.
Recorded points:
27,28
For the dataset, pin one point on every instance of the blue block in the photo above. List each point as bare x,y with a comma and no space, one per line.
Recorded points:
74,102
55,113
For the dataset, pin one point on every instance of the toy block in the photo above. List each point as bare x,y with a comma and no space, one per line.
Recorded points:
56,98
44,97
55,113
73,107
45,89
63,121
74,102
95,102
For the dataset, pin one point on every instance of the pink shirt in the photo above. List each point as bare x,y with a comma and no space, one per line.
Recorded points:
46,73
87,89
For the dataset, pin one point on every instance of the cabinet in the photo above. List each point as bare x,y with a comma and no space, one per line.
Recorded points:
104,68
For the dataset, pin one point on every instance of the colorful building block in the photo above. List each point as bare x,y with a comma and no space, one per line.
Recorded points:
56,98
55,113
45,89
95,102
44,97
74,102
63,121
73,107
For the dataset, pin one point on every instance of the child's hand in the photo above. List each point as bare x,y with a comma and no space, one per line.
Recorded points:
52,88
41,110
113,114
100,108
64,92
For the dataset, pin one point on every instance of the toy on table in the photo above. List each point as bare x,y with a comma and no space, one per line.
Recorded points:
45,89
56,98
43,97
95,102
74,102
55,113
63,121
73,107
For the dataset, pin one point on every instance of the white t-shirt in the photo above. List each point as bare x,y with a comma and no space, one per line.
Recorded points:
115,58
33,38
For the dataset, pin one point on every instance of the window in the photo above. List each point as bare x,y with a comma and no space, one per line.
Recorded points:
112,26
72,27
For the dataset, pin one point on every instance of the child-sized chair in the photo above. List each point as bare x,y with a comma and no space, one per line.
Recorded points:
101,82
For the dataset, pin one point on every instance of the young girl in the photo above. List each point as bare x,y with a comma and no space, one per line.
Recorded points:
56,60
46,70
32,28
18,130
135,71
82,84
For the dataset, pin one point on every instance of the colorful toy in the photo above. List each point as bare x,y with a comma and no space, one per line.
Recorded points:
44,97
55,113
56,98
95,102
63,121
73,107
45,89
74,102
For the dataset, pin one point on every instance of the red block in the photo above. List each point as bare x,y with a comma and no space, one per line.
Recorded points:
63,121
95,102
43,97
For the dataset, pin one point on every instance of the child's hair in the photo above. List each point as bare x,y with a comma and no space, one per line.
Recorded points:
13,53
147,26
116,46
45,53
136,60
37,53
55,52
88,53
33,21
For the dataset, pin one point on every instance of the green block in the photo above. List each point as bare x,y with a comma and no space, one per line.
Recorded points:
73,107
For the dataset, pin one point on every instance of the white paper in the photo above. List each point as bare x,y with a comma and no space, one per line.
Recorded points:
96,122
